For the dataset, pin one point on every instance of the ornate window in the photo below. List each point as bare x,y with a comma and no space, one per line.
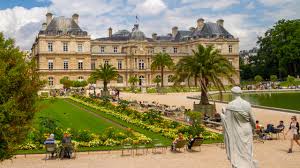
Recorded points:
141,64
115,49
80,78
66,64
50,81
65,47
106,62
119,64
80,64
170,78
50,47
50,64
175,50
102,49
230,48
79,47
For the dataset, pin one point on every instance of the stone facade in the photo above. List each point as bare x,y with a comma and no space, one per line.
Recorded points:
63,49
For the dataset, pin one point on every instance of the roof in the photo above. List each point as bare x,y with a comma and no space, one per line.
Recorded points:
62,25
209,30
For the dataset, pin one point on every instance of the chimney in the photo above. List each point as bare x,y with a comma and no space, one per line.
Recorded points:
174,31
44,26
75,17
154,36
192,29
200,23
48,18
220,22
109,32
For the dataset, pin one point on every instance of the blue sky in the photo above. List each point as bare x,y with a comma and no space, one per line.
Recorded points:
245,19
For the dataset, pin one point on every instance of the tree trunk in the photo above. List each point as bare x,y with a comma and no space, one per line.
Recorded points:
105,86
195,78
204,97
162,76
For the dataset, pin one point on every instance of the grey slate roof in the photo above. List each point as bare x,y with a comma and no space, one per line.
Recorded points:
62,25
209,30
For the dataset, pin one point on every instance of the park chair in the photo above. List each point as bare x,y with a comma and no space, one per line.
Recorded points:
197,143
257,136
50,149
180,145
68,147
278,134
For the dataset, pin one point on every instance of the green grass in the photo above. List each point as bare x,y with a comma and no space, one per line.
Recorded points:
69,116
152,135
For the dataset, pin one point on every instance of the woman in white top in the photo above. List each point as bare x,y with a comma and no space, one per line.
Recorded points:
294,129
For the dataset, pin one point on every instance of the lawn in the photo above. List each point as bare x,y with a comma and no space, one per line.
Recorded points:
70,116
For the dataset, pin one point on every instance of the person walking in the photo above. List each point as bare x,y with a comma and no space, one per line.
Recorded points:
294,129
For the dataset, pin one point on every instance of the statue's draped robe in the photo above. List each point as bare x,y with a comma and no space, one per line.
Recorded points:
238,123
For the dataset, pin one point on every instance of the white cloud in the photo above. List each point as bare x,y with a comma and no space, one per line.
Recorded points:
150,7
275,2
214,5
16,19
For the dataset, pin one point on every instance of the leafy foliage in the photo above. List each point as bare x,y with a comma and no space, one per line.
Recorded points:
207,66
106,73
279,52
161,61
19,83
133,80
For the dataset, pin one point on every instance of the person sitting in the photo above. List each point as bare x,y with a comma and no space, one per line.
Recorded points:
178,139
270,129
192,140
67,146
50,140
279,128
258,127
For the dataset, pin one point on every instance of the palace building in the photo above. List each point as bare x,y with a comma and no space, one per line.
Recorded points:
63,49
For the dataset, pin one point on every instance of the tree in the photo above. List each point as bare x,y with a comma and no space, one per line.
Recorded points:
65,82
279,50
77,83
291,80
209,66
157,80
273,79
133,80
19,84
105,73
161,61
258,79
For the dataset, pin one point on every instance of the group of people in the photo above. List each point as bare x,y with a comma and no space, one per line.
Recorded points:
293,129
66,148
190,143
115,93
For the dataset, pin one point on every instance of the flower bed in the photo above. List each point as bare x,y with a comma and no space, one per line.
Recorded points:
149,120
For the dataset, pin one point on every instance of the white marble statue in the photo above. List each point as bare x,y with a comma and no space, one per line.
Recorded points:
238,125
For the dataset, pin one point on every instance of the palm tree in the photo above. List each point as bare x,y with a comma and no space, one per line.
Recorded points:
105,73
133,80
207,66
161,61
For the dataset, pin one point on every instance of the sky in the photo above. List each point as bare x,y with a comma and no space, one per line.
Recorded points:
245,19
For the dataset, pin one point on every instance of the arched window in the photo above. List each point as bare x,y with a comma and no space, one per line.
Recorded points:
80,78
50,81
230,48
120,79
170,78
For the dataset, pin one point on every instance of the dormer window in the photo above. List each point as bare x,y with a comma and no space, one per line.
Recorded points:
102,49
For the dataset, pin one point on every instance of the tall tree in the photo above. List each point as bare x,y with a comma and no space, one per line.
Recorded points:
209,66
161,61
19,84
105,73
279,51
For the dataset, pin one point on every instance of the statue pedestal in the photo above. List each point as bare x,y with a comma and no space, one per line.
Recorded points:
209,110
